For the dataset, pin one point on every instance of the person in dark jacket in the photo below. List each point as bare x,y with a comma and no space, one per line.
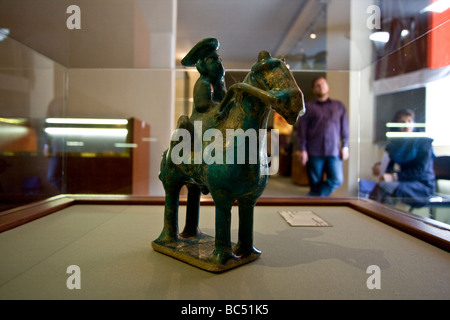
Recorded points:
411,178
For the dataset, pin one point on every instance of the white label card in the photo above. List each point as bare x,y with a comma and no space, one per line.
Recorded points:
303,219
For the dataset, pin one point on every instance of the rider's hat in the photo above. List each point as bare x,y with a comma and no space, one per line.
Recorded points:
202,49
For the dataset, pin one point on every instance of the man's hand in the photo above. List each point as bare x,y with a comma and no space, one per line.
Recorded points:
345,153
388,177
302,156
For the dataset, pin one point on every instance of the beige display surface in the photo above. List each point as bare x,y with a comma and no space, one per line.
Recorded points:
111,245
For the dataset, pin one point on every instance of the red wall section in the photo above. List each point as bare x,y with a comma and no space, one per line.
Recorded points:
439,40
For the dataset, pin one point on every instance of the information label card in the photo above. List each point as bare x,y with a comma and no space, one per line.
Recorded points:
303,219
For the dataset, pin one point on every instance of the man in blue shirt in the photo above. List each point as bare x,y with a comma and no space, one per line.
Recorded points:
322,137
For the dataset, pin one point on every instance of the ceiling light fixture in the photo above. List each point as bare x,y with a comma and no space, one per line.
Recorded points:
4,33
406,134
380,36
438,6
87,121
86,132
405,125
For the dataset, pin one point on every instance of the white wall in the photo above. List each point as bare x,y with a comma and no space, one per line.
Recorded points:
147,94
337,60
364,152
353,86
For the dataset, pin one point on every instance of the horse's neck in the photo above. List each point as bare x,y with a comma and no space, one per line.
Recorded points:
248,114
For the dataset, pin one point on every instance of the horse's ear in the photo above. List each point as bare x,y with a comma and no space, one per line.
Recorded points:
264,55
282,58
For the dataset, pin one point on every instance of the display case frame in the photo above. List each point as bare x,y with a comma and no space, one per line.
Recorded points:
107,88
428,230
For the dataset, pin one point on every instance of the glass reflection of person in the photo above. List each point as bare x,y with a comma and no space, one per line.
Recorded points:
54,148
322,140
406,170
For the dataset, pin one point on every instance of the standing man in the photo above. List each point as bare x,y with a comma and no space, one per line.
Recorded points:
322,137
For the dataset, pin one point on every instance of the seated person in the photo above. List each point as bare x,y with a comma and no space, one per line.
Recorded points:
365,185
406,171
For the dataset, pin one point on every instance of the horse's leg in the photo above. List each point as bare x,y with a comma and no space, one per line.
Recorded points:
170,229
222,252
192,212
245,247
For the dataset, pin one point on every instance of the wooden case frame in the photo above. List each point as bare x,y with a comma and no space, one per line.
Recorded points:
428,230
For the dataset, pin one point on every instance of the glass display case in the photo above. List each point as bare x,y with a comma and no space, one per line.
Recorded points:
44,157
76,77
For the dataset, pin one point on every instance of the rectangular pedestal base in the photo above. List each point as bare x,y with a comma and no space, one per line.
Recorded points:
197,251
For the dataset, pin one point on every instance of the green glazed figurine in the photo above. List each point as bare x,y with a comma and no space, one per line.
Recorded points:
209,154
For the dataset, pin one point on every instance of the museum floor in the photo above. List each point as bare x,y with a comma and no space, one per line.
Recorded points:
279,186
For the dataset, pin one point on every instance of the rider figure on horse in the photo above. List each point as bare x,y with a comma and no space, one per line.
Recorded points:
209,90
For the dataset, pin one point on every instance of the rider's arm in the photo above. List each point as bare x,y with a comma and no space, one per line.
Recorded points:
272,96
202,96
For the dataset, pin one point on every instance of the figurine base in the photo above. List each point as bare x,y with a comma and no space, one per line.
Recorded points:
197,251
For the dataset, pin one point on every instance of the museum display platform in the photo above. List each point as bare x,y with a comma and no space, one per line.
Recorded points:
109,239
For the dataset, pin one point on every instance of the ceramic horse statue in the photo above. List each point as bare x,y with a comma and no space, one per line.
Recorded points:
246,106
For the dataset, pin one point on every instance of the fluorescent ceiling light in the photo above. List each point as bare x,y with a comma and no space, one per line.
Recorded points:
87,131
4,33
405,134
438,6
405,125
85,121
12,132
125,145
75,143
380,36
13,121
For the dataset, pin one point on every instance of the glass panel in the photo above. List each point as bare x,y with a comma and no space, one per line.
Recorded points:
32,87
410,72
120,60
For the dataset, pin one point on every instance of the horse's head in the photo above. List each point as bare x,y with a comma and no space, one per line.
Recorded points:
272,75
